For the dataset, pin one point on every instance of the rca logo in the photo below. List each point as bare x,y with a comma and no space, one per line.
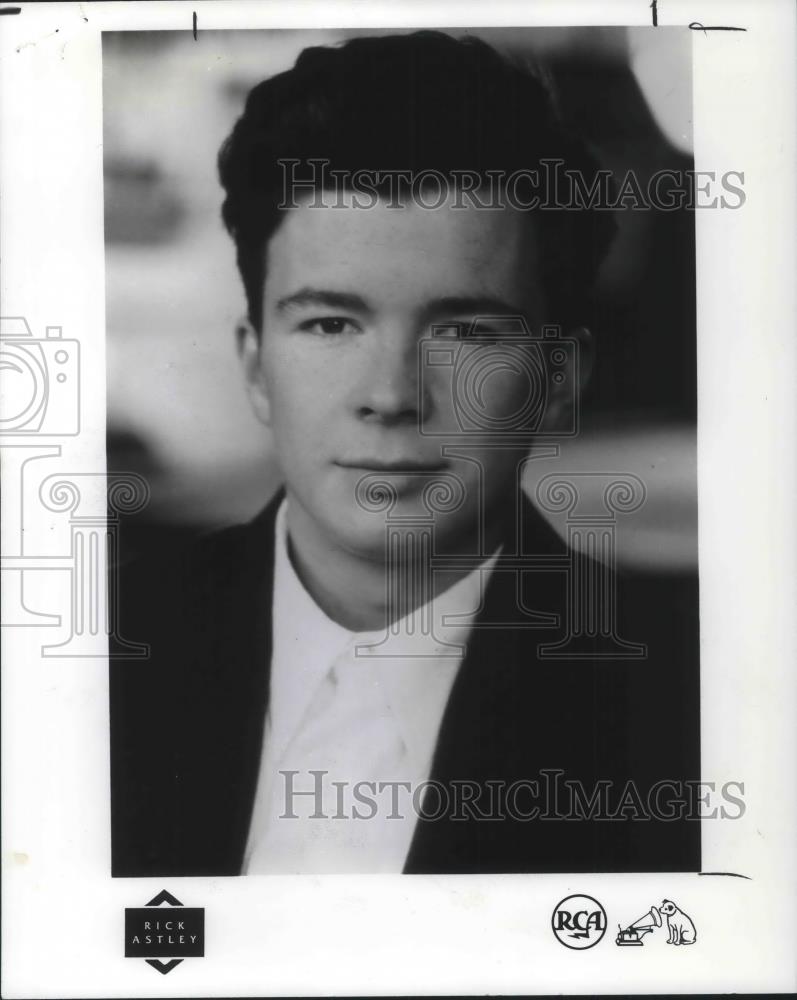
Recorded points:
579,922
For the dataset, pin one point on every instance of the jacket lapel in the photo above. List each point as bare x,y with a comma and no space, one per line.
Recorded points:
504,722
225,696
511,716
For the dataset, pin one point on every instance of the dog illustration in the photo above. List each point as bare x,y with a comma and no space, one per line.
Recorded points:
679,924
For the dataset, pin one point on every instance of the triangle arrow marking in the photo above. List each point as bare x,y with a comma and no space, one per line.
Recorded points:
163,967
164,897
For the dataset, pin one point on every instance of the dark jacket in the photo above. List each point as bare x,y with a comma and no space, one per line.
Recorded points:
187,723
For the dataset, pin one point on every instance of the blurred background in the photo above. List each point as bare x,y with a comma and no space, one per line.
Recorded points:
177,412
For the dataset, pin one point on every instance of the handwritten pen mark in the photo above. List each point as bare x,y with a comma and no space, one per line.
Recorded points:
728,874
10,10
26,45
194,25
697,26
654,6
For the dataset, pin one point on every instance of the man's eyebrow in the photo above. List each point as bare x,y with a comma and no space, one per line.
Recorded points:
327,298
472,305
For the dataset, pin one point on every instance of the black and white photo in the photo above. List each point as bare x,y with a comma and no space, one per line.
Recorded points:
398,664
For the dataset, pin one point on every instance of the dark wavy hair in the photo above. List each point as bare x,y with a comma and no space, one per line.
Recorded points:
421,101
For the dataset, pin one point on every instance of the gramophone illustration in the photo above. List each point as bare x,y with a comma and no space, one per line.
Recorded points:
680,927
633,934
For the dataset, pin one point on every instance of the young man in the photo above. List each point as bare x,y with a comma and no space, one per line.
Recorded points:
374,675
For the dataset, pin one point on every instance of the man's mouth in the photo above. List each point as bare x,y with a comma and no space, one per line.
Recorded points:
395,466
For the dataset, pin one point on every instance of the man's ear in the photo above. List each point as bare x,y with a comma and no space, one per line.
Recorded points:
563,394
247,342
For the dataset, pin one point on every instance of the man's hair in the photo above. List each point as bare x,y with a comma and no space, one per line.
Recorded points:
416,102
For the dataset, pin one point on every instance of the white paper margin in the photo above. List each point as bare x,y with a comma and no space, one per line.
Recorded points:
63,914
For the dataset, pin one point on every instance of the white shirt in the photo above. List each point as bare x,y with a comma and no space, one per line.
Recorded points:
363,707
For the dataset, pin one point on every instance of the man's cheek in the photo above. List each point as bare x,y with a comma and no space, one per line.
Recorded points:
294,403
288,426
501,392
510,393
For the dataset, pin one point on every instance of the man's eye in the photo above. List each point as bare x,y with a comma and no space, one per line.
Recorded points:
496,326
452,330
327,325
473,330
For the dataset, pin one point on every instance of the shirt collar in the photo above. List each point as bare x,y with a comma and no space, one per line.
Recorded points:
417,669
305,643
414,669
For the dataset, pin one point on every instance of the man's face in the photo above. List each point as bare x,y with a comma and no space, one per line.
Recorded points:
349,294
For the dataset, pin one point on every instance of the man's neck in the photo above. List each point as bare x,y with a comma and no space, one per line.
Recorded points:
351,588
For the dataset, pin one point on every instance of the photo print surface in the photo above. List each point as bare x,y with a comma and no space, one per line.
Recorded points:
401,335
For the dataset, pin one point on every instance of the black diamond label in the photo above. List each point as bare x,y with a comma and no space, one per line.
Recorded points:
158,932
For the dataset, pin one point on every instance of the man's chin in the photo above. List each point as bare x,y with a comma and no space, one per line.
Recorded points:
385,526
408,533
364,535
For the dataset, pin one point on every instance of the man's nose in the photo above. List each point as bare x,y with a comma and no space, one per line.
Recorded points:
388,388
